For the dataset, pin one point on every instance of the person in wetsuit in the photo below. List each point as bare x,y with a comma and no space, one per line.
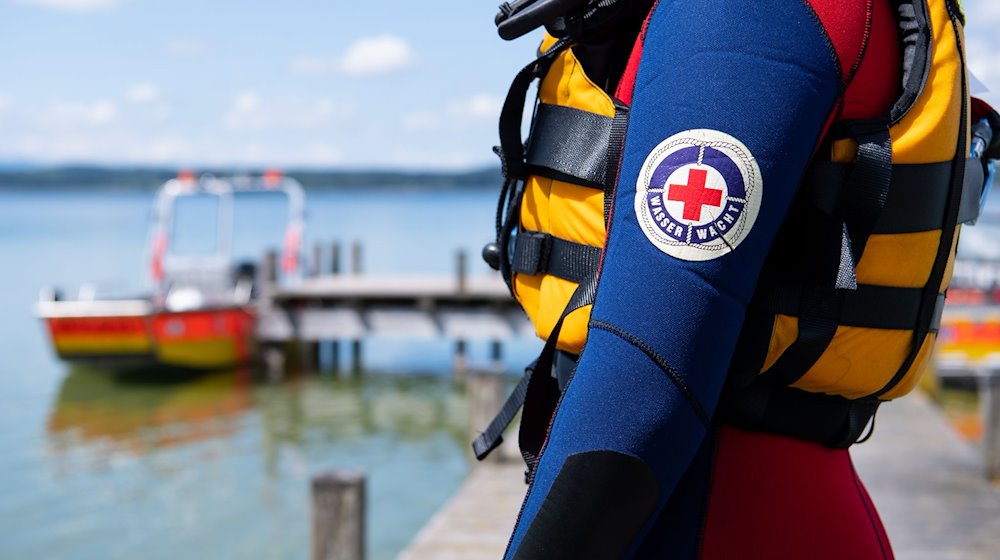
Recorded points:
637,463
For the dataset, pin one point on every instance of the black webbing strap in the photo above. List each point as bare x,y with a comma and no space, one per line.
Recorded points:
919,193
867,187
930,308
492,436
511,146
537,390
537,252
819,305
818,320
542,395
572,143
616,145
768,406
875,307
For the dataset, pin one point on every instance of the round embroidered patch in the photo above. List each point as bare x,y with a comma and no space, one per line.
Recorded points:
698,194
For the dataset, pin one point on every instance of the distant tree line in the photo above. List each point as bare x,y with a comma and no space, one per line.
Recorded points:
146,179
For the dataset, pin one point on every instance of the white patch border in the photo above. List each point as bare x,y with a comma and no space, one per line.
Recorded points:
752,180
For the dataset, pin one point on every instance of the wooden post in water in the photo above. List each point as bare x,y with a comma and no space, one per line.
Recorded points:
338,515
356,357
317,260
269,268
484,395
272,355
356,258
461,360
335,257
496,354
335,356
989,401
460,270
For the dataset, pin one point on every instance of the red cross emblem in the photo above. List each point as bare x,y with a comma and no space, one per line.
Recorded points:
694,195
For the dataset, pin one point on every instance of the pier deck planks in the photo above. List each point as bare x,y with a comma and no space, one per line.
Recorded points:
926,483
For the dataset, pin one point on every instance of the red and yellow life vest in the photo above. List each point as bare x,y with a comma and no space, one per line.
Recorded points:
862,335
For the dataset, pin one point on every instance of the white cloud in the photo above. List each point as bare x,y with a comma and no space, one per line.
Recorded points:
186,47
63,115
143,92
480,107
368,56
377,55
72,5
249,112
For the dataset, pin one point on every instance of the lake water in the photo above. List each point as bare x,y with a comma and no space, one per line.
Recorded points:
218,466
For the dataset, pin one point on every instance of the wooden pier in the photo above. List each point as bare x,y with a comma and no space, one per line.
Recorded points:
926,483
330,307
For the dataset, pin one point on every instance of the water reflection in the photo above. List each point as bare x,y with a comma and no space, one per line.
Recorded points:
224,460
146,413
141,413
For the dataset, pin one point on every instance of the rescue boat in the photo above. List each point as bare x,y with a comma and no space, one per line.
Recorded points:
202,311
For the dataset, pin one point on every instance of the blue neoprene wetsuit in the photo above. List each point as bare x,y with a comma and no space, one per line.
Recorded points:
627,466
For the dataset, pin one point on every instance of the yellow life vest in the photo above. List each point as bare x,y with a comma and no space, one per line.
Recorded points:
895,188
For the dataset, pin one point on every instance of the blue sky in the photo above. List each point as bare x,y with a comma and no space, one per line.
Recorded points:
299,83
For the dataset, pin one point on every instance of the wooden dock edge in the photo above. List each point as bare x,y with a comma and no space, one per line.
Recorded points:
476,522
925,481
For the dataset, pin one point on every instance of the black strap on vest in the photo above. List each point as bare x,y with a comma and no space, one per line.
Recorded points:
511,146
537,390
820,304
915,201
930,309
875,307
570,144
537,252
577,146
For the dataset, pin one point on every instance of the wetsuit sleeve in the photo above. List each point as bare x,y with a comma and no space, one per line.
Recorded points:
763,78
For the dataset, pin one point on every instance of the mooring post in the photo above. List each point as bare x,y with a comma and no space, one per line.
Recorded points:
312,350
484,397
461,360
460,270
989,398
269,268
338,515
335,356
356,357
317,260
273,357
335,258
356,257
496,354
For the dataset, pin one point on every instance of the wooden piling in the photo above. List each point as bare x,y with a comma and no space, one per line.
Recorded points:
484,395
989,402
317,261
273,358
335,356
269,268
496,353
338,515
335,257
356,258
356,357
460,271
461,364
312,356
